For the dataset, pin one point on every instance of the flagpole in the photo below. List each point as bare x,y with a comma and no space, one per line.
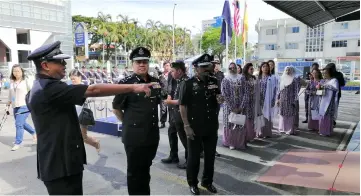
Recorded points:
244,33
226,43
235,47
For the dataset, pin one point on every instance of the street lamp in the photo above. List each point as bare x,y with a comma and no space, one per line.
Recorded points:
200,42
173,34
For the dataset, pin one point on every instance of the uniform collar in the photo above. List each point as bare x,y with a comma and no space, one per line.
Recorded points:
43,76
140,78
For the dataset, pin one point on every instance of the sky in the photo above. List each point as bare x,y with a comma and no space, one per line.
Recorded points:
188,13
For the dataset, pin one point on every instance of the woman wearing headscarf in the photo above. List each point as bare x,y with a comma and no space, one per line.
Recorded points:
328,104
233,136
248,90
313,99
287,99
268,93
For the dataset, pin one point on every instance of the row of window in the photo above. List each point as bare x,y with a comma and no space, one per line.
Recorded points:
288,30
316,47
288,46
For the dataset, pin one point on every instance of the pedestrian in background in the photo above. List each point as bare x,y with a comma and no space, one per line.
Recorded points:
19,87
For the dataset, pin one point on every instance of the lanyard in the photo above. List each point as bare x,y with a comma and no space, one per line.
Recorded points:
16,86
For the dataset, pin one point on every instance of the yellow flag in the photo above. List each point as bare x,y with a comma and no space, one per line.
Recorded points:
245,24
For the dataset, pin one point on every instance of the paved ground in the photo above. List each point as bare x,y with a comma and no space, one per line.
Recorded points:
235,171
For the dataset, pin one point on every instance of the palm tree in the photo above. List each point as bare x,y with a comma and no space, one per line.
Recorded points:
153,27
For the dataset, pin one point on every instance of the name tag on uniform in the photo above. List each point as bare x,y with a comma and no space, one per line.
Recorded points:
212,86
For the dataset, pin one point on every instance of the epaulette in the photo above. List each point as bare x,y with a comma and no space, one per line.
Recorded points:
124,80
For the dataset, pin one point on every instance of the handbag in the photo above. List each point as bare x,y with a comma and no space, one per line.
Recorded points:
259,123
315,115
86,116
320,92
237,119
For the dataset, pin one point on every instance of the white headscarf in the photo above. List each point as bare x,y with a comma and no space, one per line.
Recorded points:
286,79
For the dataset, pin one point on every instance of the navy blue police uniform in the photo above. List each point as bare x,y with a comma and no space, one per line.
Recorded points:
91,75
60,148
140,127
98,75
175,121
84,76
114,75
200,98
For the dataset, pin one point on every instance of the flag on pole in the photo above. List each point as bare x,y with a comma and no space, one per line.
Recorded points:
236,17
245,24
226,15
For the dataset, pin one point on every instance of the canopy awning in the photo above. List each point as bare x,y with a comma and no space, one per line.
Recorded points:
314,13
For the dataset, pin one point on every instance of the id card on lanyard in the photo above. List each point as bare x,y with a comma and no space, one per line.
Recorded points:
15,88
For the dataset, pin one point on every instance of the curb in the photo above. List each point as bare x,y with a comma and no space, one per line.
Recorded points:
342,146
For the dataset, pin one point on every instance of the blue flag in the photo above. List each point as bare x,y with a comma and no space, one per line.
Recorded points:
226,15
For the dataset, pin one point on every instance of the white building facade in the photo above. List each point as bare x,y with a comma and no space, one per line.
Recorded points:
288,40
27,25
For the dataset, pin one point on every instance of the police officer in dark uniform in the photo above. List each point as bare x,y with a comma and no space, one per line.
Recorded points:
91,75
60,148
139,116
84,75
178,76
98,75
105,75
114,75
199,111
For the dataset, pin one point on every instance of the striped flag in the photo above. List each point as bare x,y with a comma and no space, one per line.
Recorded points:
236,17
245,24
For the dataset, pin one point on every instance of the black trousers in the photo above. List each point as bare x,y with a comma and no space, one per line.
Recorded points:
69,185
163,112
194,151
174,128
139,160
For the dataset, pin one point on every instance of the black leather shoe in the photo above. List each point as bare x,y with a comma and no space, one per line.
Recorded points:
194,190
305,121
217,154
182,166
210,188
170,160
162,126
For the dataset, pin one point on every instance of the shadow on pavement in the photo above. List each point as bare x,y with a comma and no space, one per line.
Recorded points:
113,175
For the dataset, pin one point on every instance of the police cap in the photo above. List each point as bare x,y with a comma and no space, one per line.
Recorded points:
83,67
98,67
140,53
48,52
178,65
203,61
91,67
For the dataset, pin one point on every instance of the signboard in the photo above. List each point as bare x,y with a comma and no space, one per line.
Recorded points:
81,42
79,35
346,35
298,65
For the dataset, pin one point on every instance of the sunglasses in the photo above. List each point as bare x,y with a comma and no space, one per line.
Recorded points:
57,61
142,61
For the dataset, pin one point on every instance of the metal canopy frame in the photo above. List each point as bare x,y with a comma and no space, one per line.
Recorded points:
314,13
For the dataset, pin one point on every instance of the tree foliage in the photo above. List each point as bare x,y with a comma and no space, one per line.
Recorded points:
129,33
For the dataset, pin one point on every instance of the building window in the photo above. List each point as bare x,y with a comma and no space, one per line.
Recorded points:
339,44
293,29
22,55
291,45
271,46
344,25
271,31
8,55
22,38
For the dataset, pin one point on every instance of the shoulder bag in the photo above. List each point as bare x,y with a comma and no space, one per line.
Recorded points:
86,116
